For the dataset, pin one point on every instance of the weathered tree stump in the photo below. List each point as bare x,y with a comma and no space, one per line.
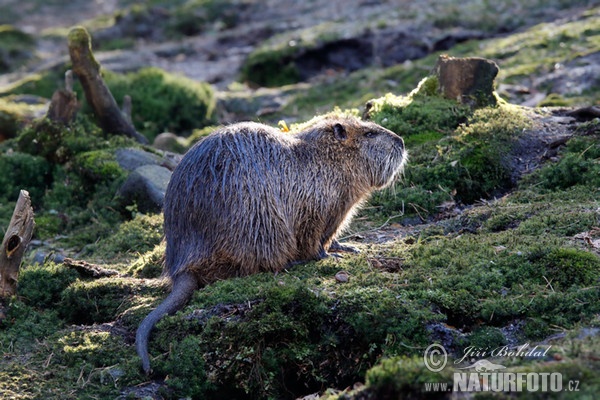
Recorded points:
467,80
108,114
15,242
64,105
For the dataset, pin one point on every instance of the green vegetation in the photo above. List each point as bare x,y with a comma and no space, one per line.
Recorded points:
490,258
456,154
13,116
521,57
273,63
160,101
164,102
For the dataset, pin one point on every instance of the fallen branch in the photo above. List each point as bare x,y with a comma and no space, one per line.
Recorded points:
85,268
109,115
15,242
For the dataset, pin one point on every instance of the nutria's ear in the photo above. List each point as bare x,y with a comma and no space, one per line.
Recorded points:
339,132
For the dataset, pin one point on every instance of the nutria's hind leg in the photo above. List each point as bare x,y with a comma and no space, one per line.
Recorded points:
184,286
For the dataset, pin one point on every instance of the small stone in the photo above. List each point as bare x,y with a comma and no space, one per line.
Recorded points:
342,277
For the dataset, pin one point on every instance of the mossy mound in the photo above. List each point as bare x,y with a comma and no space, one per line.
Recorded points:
164,102
72,176
14,115
456,154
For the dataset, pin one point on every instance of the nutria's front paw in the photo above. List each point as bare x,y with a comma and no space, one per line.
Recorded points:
337,246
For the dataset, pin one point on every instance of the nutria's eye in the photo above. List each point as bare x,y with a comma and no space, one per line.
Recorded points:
371,134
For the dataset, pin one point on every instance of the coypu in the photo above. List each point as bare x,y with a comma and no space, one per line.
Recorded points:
250,198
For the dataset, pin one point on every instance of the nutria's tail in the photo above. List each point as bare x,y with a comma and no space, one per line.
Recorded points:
184,286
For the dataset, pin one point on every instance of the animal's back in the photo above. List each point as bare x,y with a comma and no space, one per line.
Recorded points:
230,185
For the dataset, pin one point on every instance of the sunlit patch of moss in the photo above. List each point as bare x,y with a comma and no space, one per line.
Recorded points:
99,301
456,154
199,134
13,116
139,235
419,113
41,84
149,264
98,166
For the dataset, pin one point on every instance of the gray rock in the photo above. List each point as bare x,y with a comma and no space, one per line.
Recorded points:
41,257
145,187
131,158
169,141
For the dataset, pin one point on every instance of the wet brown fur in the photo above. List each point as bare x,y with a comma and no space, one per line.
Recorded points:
250,198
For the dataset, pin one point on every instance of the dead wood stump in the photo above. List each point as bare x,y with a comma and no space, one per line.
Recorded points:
467,80
108,114
15,242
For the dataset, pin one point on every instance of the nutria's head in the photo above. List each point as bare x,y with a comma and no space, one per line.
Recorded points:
374,155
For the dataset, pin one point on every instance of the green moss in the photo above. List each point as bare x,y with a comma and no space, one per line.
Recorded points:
164,102
199,134
23,171
13,116
271,67
98,166
567,267
98,301
140,235
395,377
187,359
41,285
554,100
578,166
58,144
487,338
196,16
96,349
149,264
41,84
418,114
455,154
273,63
